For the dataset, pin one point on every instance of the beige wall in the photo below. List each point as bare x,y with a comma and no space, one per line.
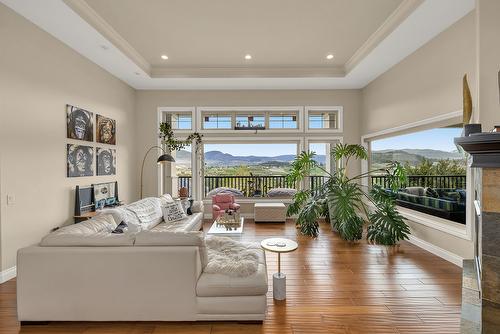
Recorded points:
147,103
38,77
488,13
426,84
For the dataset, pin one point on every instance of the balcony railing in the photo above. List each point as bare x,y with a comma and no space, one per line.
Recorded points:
432,181
250,186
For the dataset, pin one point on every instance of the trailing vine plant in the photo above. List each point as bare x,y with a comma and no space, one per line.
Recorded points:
172,144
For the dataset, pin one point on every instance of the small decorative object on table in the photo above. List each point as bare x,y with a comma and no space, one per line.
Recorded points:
230,220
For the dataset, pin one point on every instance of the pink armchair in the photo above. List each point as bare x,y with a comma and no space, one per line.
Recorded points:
222,202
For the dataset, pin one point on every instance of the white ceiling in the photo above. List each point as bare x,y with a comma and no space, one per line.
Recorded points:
218,33
206,40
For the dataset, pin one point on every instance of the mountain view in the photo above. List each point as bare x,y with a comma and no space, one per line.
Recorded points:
220,163
412,157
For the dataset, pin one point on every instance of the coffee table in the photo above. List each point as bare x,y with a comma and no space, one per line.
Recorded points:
221,229
279,245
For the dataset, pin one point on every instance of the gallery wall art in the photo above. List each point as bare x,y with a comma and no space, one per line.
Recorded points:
80,123
106,161
80,160
106,130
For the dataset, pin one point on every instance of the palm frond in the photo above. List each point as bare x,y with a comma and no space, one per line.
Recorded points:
343,151
302,166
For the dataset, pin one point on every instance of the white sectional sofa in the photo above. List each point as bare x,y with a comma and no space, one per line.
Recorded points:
83,272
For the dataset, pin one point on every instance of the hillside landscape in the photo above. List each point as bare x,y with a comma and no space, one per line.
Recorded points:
220,163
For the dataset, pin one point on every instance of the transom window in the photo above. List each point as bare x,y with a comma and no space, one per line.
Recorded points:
323,120
179,120
217,121
283,121
248,122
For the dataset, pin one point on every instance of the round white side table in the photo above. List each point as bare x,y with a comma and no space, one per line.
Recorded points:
279,245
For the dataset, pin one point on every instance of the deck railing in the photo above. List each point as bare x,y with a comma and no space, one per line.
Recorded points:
250,186
432,181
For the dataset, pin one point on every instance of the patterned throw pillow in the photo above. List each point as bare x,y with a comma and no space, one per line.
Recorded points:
431,192
173,212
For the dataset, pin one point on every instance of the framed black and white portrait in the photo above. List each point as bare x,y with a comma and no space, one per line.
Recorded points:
106,161
80,123
80,160
105,130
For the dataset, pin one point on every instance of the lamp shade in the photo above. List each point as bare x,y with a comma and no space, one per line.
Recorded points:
165,158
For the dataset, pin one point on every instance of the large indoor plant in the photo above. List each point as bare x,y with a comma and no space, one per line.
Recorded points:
345,202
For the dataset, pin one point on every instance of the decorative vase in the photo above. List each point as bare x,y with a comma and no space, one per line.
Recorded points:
183,192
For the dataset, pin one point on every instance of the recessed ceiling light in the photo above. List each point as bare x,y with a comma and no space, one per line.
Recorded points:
164,57
248,57
329,57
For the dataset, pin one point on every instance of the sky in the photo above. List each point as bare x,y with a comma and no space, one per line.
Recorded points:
435,139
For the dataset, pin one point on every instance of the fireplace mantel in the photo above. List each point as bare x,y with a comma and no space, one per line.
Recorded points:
484,149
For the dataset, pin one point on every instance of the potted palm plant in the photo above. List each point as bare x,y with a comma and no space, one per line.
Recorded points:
345,202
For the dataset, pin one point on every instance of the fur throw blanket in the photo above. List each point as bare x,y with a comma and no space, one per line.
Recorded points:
232,258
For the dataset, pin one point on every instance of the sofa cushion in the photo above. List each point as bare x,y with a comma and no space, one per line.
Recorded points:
190,223
121,214
158,237
197,206
417,191
225,190
148,212
216,285
93,232
281,192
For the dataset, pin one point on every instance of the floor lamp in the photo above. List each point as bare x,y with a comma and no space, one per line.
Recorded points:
164,158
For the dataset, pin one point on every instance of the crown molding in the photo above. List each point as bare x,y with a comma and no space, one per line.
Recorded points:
249,72
88,14
397,17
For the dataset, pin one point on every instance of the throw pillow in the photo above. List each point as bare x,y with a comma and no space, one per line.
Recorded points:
429,192
166,199
173,212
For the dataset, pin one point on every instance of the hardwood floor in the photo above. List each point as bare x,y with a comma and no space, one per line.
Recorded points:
332,287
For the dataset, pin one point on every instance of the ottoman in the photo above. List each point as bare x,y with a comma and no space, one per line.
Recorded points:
270,212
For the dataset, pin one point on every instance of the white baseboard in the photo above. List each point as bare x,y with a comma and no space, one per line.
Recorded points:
442,253
7,274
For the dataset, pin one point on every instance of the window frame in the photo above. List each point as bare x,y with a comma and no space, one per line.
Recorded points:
215,114
313,109
162,111
453,228
247,115
249,111
298,141
275,113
